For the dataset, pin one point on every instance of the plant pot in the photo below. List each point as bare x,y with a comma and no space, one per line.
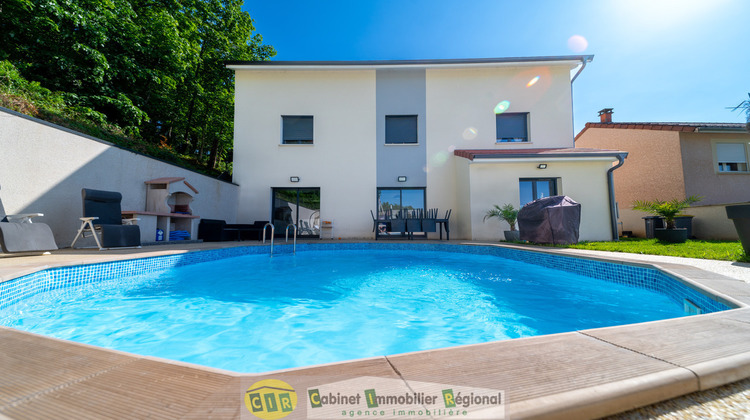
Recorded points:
671,235
653,222
685,222
740,215
512,235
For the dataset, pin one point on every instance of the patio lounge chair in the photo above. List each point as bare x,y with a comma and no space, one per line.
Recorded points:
19,234
102,213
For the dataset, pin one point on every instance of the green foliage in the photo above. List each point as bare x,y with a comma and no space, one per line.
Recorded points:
710,250
666,209
154,69
744,106
506,212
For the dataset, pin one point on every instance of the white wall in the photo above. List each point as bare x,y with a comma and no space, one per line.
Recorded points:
460,115
43,169
583,181
341,160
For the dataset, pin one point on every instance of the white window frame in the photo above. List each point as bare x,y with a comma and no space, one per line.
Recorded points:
723,164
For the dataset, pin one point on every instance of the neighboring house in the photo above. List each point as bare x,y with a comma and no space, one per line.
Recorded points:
676,160
333,141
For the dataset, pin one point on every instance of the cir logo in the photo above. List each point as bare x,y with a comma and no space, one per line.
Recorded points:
270,399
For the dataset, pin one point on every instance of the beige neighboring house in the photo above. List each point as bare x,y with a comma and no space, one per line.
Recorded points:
676,160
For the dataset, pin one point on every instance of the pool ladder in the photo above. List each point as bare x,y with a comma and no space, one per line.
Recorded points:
272,235
286,235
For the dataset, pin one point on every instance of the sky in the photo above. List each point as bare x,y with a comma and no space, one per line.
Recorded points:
654,60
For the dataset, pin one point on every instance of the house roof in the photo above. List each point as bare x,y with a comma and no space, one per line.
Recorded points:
571,60
687,127
572,152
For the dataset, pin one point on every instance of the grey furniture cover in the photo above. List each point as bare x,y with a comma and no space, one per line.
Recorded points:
26,237
550,220
106,206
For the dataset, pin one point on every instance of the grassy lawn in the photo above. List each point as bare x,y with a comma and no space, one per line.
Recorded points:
710,250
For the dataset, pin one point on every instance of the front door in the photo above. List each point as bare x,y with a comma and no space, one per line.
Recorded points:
299,206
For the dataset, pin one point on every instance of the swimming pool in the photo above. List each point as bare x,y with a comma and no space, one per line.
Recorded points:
474,303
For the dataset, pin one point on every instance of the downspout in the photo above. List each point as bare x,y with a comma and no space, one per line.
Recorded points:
584,59
612,205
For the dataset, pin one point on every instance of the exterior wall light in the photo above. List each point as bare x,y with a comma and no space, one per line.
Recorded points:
402,179
542,166
293,179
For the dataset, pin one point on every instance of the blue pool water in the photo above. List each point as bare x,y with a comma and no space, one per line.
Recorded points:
253,313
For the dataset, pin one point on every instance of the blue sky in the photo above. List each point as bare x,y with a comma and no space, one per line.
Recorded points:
655,60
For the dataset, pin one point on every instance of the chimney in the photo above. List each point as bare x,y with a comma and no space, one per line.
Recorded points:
605,115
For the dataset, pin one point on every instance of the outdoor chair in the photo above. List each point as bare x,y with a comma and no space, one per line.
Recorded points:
102,216
19,234
445,224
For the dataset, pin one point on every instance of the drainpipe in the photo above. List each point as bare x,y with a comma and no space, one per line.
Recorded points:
584,59
611,184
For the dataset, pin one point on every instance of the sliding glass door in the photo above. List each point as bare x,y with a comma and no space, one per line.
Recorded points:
393,200
299,206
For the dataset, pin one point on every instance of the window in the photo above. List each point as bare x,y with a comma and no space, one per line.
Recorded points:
512,127
394,199
536,188
296,129
400,129
731,157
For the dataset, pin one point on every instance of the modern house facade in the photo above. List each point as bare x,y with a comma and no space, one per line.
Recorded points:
335,141
677,160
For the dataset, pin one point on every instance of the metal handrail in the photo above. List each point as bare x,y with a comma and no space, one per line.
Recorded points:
272,234
286,236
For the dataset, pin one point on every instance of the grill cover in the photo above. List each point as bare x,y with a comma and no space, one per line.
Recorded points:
550,220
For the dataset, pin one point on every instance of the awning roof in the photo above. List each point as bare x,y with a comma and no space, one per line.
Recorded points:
570,153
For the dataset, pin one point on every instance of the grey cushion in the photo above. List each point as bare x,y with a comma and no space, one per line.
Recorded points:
25,237
120,235
102,204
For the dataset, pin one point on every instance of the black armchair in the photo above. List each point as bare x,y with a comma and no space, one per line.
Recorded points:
102,214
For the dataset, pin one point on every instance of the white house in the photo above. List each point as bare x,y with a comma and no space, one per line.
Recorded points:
335,141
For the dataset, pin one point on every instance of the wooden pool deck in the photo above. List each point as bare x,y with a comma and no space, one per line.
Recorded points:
582,374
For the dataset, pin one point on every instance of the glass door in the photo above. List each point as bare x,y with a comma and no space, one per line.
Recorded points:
300,206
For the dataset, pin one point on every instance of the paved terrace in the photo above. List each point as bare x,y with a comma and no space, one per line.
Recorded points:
582,374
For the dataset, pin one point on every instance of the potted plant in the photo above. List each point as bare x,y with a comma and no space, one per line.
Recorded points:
509,214
668,210
744,106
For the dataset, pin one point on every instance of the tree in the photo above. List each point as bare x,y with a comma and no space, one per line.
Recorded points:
153,67
744,106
